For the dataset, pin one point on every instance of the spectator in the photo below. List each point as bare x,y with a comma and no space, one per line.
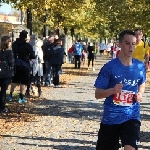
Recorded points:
102,47
47,51
32,42
44,68
95,50
91,56
84,54
77,54
116,50
109,48
37,65
6,70
24,52
70,53
57,61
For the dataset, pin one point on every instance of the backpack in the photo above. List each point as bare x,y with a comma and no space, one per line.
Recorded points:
4,65
78,49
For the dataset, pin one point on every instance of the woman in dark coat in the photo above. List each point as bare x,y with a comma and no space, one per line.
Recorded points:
6,70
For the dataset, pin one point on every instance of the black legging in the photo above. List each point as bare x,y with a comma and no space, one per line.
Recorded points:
77,59
3,84
91,58
36,79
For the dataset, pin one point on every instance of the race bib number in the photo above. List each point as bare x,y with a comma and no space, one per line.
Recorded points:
125,98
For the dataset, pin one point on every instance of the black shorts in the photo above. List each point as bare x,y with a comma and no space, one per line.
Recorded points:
109,135
21,76
101,51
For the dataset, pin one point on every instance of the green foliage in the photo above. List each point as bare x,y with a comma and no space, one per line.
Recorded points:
91,18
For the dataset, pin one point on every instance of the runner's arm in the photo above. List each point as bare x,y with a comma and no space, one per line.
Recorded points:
101,93
138,96
142,88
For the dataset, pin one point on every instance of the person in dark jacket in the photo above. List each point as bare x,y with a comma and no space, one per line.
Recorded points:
23,51
91,56
6,70
77,54
57,61
47,48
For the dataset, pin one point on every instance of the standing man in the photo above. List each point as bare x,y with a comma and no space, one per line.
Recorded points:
123,89
141,51
47,53
23,51
77,54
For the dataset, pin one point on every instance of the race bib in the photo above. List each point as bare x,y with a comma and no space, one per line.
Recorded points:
125,98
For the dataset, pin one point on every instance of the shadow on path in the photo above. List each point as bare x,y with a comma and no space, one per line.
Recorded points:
69,109
64,144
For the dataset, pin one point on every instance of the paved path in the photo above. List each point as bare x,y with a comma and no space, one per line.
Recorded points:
68,119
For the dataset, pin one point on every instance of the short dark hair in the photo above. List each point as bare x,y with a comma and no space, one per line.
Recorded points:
79,40
125,32
137,29
5,43
23,34
57,41
50,36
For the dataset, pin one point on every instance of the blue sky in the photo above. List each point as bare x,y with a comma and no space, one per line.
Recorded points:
5,8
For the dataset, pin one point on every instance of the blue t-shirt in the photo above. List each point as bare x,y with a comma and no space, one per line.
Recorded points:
112,73
78,49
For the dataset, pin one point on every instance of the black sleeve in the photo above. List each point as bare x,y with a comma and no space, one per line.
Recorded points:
11,59
31,52
44,50
14,50
65,53
88,48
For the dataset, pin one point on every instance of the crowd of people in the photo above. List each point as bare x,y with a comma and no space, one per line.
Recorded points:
30,62
38,62
82,53
85,54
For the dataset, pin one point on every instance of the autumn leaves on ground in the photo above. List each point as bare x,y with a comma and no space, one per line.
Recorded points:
19,114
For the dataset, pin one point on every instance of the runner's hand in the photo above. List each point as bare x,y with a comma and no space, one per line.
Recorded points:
118,88
138,97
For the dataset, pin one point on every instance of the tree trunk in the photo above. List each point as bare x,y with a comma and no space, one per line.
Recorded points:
29,20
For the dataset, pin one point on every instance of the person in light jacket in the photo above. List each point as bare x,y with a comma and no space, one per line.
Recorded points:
38,65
